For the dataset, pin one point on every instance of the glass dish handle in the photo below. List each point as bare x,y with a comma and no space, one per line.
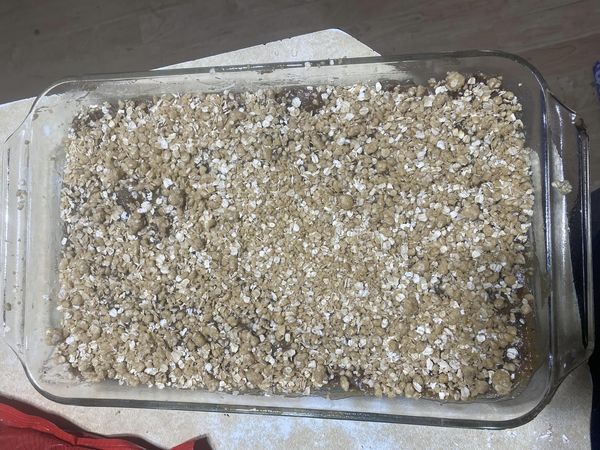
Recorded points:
13,214
569,197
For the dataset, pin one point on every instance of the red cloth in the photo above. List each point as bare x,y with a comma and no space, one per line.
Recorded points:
20,431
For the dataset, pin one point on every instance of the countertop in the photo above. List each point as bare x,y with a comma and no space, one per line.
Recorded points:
564,423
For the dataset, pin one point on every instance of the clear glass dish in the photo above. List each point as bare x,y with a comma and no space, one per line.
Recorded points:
31,230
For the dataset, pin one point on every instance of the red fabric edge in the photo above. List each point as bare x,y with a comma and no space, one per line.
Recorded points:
189,445
14,418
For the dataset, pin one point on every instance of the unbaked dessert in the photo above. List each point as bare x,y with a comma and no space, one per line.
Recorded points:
365,238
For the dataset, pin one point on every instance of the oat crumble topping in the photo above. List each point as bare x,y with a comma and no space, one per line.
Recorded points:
369,238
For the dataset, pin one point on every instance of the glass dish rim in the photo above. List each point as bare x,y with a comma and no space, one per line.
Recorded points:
269,67
294,411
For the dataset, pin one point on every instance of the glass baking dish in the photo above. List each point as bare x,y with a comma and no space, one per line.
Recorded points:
31,230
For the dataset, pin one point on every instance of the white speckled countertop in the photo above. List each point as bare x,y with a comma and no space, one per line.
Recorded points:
564,423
